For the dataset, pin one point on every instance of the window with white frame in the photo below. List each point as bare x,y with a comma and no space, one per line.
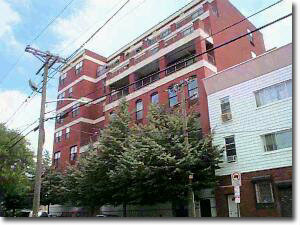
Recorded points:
172,96
59,118
273,93
75,110
67,132
193,89
278,140
62,79
250,36
139,110
73,153
264,193
154,98
78,67
56,159
58,136
230,149
225,109
70,91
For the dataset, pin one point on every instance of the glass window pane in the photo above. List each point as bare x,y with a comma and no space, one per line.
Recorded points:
281,91
270,142
173,101
139,105
284,139
289,88
192,84
172,92
154,98
264,192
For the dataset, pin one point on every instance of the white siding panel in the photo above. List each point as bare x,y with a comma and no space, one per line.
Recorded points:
249,123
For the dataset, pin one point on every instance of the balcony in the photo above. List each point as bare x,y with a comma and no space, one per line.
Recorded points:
122,87
139,56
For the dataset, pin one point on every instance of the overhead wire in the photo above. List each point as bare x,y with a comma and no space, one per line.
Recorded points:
232,40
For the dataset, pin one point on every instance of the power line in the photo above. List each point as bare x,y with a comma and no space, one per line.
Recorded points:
163,70
197,55
51,22
37,36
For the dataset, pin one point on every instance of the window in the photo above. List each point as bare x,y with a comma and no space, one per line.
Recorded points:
78,67
59,118
103,85
70,91
58,136
165,33
253,55
62,79
187,31
75,109
139,49
197,13
225,109
278,140
67,132
230,149
250,36
193,89
154,98
73,153
56,159
264,193
273,93
139,110
215,8
172,96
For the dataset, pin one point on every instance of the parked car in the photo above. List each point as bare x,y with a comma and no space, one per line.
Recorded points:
107,215
40,214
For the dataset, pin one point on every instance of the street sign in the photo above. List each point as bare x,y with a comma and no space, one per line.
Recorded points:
236,179
237,196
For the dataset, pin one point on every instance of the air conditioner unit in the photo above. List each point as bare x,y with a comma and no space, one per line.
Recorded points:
226,117
231,158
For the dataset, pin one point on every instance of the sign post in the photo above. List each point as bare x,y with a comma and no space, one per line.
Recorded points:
236,181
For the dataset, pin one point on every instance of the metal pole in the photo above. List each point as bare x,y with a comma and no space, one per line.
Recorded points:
192,211
38,173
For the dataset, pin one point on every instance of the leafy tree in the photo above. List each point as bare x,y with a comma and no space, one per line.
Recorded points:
16,170
51,187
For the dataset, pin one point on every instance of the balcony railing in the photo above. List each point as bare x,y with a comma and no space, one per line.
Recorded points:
180,65
120,94
146,81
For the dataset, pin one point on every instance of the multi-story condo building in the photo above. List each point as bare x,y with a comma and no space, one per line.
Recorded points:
250,111
145,68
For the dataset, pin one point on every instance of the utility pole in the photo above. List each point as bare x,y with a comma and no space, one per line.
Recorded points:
48,61
191,200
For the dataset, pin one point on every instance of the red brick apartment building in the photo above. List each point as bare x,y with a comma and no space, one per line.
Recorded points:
185,33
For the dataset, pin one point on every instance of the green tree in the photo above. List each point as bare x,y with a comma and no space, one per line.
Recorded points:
52,191
16,170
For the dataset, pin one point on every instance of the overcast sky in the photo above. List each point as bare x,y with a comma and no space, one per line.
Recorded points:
22,20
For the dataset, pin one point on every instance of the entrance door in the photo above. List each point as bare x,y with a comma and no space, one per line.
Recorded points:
205,208
286,204
233,210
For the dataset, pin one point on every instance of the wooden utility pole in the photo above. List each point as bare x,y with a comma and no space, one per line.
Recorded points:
48,61
191,200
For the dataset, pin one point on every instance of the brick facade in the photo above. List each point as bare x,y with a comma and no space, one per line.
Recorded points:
92,86
281,178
